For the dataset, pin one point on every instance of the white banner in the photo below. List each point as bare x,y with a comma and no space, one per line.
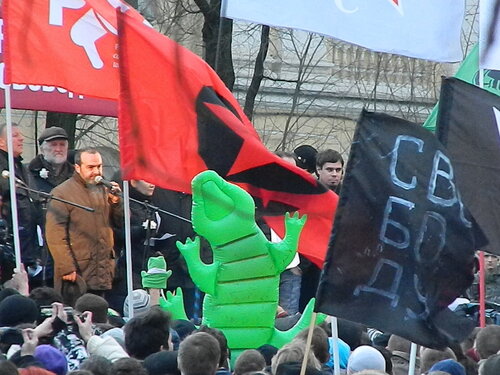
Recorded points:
426,29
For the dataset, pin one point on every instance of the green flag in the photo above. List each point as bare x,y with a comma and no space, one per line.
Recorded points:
469,72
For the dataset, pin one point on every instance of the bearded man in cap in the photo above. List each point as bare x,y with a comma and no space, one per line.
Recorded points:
51,167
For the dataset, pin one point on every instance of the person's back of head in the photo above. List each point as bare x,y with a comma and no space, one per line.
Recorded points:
491,366
292,353
488,341
222,340
45,296
97,365
128,366
199,354
365,358
8,368
268,352
249,360
162,363
97,305
147,334
429,357
319,343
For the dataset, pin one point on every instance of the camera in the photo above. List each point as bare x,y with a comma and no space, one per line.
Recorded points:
46,312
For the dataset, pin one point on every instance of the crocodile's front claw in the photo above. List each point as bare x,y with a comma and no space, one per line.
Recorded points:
189,245
174,303
294,223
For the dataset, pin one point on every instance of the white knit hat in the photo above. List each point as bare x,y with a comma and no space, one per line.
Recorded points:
140,304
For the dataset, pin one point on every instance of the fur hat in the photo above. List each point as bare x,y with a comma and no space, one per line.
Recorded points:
17,309
52,359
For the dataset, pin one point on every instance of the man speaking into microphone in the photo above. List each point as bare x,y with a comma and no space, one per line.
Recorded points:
81,242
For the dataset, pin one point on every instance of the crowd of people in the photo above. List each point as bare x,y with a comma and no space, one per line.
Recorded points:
40,335
67,311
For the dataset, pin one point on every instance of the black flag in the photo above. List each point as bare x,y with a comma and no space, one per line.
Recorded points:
402,247
468,125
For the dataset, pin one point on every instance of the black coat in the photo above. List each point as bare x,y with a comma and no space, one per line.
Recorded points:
29,214
39,167
179,204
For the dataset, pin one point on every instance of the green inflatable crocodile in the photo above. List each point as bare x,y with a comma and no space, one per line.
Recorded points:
242,283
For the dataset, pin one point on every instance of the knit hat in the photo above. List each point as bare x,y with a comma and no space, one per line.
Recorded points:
140,303
97,305
161,363
268,352
491,366
17,309
7,292
52,359
306,157
450,366
183,328
365,358
117,334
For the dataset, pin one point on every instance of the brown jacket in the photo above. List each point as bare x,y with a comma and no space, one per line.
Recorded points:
88,235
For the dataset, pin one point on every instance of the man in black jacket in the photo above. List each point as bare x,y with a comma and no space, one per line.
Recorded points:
27,212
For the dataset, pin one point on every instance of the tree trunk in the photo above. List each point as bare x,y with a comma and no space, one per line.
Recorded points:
222,64
67,121
258,73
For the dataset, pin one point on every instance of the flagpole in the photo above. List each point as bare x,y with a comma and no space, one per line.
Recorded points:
128,247
482,40
12,180
482,291
308,343
413,359
335,344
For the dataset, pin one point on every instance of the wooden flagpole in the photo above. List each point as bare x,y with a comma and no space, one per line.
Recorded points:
308,343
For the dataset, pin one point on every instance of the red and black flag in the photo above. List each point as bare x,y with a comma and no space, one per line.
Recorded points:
469,126
402,248
177,118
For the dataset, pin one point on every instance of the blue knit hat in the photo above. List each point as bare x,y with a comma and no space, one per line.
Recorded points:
52,359
450,366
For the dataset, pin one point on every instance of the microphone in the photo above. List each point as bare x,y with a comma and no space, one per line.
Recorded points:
103,181
6,174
